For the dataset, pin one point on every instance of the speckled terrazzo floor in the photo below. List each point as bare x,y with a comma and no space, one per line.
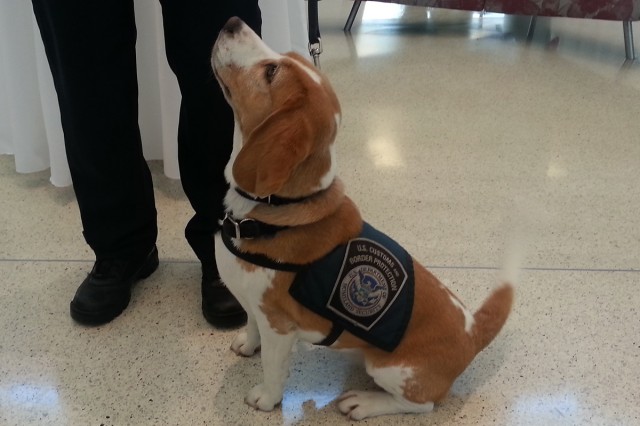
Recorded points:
454,129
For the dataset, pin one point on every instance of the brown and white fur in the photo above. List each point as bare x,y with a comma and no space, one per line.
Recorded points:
287,117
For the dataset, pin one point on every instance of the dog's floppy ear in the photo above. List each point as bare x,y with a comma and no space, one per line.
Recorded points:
272,152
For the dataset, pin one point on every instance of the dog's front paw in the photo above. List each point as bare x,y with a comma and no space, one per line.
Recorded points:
260,398
244,346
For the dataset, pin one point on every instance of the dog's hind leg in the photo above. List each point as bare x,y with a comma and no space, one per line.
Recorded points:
275,353
358,405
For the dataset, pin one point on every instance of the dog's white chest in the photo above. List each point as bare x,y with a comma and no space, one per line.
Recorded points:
247,286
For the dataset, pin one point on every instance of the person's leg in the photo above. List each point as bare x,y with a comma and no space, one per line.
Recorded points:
205,132
90,47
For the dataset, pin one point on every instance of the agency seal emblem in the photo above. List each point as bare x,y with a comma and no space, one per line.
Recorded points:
370,279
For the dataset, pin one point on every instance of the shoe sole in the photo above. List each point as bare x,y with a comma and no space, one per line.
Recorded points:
103,317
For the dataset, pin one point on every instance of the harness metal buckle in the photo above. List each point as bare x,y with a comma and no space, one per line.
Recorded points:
236,226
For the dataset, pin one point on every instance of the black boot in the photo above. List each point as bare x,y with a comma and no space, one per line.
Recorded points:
219,307
106,291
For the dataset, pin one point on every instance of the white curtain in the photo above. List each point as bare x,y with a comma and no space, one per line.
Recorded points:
30,128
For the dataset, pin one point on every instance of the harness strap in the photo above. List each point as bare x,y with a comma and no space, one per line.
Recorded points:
336,331
248,229
267,262
259,259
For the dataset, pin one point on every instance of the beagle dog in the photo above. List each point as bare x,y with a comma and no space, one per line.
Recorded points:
287,209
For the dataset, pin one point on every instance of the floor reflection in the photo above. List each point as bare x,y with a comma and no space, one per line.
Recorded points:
29,397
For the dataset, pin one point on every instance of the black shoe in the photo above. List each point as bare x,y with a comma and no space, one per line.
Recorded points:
106,292
219,307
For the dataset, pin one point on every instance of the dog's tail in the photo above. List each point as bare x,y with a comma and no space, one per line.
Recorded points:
493,313
490,318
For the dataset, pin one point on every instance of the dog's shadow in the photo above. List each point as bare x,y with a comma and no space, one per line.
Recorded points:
318,377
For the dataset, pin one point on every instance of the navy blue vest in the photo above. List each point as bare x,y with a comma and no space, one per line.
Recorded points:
364,287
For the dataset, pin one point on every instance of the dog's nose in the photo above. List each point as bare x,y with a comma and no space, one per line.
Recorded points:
233,25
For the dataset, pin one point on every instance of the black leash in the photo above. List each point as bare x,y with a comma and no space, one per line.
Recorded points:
315,43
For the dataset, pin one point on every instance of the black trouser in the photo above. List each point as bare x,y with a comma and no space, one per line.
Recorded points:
90,46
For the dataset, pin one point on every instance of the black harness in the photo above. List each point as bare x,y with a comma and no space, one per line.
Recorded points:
249,229
355,286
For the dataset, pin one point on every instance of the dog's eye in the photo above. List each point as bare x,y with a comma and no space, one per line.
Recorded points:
270,72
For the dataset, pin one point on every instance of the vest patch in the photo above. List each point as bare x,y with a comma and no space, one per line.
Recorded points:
364,287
